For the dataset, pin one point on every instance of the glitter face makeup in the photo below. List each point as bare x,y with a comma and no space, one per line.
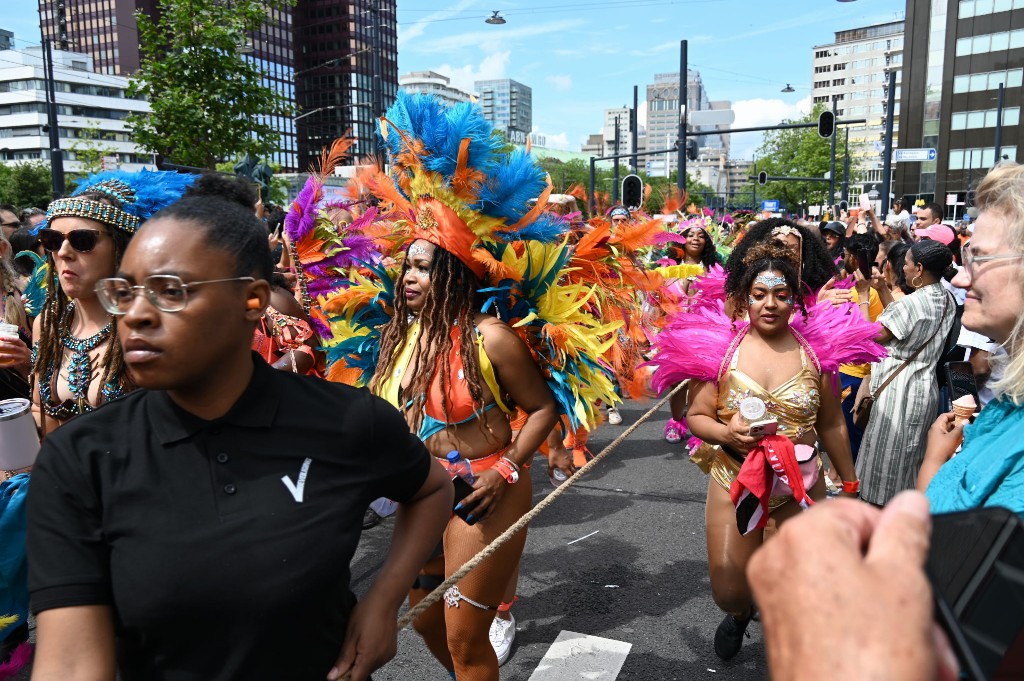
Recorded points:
418,249
770,280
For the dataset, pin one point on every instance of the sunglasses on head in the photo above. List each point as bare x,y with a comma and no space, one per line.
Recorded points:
82,240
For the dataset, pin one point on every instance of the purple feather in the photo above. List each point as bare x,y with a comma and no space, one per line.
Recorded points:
301,218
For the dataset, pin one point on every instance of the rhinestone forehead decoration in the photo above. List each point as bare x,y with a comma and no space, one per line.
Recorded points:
770,280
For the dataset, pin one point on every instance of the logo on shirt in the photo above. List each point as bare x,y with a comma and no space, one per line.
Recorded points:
298,489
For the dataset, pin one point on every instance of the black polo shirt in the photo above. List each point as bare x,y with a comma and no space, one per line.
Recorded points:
223,546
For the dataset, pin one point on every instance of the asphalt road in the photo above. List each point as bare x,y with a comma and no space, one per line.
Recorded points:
641,579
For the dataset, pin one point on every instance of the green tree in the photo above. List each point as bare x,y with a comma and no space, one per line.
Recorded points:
208,101
798,152
26,185
90,148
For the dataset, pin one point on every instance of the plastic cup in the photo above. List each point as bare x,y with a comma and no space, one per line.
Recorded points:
19,441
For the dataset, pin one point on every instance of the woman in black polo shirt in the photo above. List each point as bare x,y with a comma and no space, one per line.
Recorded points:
202,527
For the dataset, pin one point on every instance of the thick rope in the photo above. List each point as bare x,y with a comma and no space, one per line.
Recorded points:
438,593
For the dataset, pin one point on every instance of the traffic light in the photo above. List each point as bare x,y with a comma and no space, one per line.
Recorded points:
692,149
632,192
762,178
826,124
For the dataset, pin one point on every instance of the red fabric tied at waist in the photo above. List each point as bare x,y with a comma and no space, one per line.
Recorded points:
771,466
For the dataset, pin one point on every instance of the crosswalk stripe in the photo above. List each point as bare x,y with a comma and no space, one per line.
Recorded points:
581,656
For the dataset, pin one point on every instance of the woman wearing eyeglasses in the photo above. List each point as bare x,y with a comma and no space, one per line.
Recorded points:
989,470
78,364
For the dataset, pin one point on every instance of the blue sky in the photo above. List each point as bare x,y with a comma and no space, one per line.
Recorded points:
583,56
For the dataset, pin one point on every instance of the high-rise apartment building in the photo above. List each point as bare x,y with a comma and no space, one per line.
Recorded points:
508,105
958,53
852,71
436,84
91,109
663,112
6,40
322,56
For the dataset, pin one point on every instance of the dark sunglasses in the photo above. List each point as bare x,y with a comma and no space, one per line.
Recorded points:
82,240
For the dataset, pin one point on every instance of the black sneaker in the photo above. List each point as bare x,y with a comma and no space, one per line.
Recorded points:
729,637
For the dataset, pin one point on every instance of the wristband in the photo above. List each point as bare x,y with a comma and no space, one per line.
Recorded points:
507,469
851,487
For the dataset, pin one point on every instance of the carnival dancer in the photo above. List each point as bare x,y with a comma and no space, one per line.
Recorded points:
763,397
77,362
472,245
682,264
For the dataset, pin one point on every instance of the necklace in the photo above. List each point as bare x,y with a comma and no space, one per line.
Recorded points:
79,372
79,366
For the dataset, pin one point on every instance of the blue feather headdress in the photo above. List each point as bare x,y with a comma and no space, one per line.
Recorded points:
120,199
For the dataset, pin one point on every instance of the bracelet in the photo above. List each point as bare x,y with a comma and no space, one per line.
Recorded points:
851,487
513,463
863,303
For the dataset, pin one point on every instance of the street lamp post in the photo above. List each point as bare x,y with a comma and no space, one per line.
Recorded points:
56,156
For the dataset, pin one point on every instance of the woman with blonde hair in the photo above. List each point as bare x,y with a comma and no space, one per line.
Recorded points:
989,470
15,359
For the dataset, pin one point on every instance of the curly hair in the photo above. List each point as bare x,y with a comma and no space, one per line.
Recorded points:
766,257
817,266
449,301
709,256
49,347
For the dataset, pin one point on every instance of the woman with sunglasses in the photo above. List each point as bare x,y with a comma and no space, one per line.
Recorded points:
78,362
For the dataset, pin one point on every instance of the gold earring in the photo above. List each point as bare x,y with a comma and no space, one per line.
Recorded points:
915,279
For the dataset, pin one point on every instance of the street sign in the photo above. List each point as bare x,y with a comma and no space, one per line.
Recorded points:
771,206
712,117
914,155
951,199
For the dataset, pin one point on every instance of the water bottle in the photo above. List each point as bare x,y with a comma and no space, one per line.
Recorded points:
460,467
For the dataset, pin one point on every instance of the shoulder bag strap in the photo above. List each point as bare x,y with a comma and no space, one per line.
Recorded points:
945,308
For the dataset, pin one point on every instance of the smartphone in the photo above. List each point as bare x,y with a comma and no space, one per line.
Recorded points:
763,428
961,381
462,490
976,567
865,202
843,205
864,262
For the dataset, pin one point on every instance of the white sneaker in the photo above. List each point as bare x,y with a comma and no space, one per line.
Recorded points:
614,417
502,633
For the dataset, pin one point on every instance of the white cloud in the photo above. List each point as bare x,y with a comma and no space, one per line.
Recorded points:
488,39
493,66
418,27
751,113
560,82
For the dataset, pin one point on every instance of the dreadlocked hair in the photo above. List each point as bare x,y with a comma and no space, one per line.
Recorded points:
816,264
49,347
449,301
766,257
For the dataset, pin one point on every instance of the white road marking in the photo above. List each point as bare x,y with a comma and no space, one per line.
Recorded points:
584,537
580,656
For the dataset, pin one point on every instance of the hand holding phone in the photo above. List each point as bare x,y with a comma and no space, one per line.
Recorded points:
864,262
865,202
763,428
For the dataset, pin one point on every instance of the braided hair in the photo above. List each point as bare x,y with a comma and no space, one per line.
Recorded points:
449,301
766,257
56,308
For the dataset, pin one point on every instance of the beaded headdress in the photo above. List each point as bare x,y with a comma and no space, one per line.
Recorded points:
134,198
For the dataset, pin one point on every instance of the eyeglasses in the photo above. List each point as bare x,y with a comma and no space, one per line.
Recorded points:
82,240
971,260
167,292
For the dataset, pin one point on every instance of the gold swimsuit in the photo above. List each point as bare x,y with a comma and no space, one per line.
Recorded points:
794,404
